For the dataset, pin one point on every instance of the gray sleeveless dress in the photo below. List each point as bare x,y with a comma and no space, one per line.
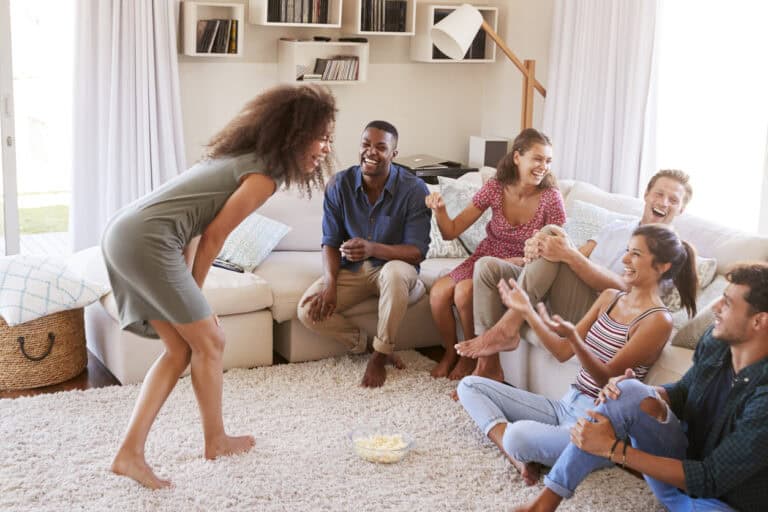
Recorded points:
143,244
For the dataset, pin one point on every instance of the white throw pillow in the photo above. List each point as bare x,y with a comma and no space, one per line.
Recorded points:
585,220
32,287
252,241
457,195
441,248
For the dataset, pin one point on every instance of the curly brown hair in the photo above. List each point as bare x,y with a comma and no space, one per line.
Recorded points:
753,274
507,171
278,127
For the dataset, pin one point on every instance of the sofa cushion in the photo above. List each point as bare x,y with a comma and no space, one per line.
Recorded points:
252,241
584,220
588,193
289,274
457,195
303,214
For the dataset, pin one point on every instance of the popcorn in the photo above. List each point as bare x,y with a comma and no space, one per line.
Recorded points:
384,449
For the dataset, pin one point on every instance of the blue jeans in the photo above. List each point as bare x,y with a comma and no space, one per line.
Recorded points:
646,433
538,428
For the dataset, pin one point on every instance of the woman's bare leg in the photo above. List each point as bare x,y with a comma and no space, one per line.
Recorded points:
441,302
206,339
462,297
158,384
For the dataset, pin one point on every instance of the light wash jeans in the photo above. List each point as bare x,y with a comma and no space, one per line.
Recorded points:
646,433
538,428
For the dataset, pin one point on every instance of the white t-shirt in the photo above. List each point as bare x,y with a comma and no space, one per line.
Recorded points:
612,243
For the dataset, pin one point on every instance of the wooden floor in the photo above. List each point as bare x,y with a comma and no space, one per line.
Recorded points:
96,376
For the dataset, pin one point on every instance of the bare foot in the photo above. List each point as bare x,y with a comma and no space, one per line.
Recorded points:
376,373
463,368
443,368
489,343
135,467
490,368
529,471
547,501
228,445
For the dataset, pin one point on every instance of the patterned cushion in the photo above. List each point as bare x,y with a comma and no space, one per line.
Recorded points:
585,220
32,287
440,248
252,241
457,195
706,268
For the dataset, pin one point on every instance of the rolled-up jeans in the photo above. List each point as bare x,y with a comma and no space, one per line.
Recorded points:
662,438
538,427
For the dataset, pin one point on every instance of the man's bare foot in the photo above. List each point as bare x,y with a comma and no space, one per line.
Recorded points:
135,467
529,471
376,373
228,445
490,368
443,368
489,343
463,368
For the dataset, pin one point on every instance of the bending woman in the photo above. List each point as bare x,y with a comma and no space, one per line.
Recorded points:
523,198
621,330
157,267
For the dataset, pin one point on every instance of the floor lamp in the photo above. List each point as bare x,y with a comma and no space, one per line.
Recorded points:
454,34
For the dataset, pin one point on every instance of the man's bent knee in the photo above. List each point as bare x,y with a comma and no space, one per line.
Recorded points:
654,408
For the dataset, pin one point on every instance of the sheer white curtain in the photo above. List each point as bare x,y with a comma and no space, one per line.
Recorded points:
128,135
600,103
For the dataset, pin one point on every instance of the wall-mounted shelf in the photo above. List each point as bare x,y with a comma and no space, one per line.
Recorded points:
380,17
296,58
295,13
422,49
212,29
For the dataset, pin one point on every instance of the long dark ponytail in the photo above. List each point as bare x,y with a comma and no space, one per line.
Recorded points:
667,247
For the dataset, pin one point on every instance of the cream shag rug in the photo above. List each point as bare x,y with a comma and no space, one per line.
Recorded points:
55,450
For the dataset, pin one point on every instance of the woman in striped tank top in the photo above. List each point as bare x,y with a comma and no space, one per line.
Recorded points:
622,330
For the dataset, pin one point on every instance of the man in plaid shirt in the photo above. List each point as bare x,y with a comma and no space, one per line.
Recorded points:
702,442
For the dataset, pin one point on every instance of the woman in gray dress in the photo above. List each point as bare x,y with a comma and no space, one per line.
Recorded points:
158,251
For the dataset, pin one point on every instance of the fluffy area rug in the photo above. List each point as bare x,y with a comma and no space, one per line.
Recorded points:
55,450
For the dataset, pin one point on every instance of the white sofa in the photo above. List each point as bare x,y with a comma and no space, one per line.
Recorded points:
258,311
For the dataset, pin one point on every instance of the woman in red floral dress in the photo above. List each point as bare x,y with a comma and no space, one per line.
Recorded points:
523,198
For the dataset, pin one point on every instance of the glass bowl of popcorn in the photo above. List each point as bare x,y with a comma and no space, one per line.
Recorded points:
383,446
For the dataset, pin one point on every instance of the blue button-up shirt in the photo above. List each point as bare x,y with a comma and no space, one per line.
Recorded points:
399,216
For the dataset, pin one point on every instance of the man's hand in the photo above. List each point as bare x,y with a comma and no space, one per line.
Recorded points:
554,247
434,201
514,297
611,390
595,437
321,304
356,249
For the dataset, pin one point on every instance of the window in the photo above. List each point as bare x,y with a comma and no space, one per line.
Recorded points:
713,106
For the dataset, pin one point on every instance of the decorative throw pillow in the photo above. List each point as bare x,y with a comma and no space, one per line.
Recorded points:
32,287
252,241
457,195
585,220
706,268
440,248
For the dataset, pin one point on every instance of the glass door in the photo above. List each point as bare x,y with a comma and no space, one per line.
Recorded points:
9,220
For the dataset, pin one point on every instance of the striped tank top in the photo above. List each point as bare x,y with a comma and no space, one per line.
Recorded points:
605,338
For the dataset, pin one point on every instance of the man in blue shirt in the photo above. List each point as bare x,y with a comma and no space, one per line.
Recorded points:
375,234
702,442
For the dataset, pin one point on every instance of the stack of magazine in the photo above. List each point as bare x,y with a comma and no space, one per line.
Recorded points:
339,67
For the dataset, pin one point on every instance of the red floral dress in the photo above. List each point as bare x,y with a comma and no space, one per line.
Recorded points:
502,239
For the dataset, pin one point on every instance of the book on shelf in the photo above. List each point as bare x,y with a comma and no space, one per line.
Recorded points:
217,36
297,11
339,67
232,48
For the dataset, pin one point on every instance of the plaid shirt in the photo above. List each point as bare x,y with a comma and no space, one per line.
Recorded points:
734,465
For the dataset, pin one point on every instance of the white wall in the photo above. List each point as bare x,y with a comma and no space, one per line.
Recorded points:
436,107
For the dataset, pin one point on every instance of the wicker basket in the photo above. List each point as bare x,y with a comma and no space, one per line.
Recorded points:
41,352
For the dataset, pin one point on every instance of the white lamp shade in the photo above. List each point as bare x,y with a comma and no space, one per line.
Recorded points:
454,33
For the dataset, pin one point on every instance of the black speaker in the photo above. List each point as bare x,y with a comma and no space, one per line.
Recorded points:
486,151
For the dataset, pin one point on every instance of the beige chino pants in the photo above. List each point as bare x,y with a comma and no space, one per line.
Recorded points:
555,284
391,282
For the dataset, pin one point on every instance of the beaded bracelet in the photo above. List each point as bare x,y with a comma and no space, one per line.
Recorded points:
613,448
624,455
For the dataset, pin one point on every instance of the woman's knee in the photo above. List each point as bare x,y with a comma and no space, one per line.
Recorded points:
179,356
467,386
441,294
462,294
519,440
